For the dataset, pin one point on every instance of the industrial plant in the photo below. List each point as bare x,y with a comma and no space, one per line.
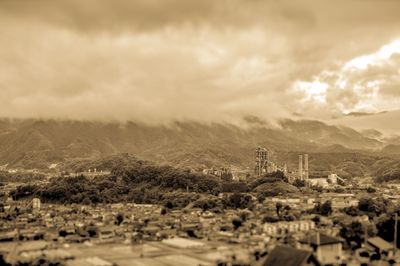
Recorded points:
264,164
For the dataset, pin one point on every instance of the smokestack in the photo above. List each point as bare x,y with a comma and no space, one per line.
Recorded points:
301,167
306,166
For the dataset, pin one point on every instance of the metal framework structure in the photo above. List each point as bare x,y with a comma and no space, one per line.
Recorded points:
261,159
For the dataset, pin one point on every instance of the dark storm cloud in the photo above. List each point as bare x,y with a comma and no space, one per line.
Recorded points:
143,15
207,60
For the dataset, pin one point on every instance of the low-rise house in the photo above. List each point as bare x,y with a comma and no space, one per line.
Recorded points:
150,232
8,236
339,203
167,233
106,232
327,249
288,227
380,246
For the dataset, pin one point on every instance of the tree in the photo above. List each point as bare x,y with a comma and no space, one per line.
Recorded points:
277,174
234,187
207,202
244,215
299,183
318,189
287,209
119,218
238,201
316,219
270,219
92,230
169,205
352,211
373,207
353,233
237,222
261,197
324,209
278,207
62,233
386,229
86,201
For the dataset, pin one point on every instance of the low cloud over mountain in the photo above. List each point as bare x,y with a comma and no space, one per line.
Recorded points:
38,143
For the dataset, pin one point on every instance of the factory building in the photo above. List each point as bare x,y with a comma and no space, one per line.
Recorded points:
261,159
264,164
222,172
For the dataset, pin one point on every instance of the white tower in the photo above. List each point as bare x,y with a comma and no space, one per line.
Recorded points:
301,167
305,166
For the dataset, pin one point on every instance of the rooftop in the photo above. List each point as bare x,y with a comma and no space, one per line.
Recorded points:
288,256
323,240
379,243
182,243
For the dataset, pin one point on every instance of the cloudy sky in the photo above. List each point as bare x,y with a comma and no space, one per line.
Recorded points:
162,60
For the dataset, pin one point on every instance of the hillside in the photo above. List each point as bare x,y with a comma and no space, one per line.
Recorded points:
38,143
139,181
391,149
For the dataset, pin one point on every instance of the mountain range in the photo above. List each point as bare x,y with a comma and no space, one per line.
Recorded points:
37,143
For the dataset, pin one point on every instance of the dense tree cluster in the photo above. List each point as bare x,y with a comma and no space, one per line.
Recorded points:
208,203
22,177
168,177
394,175
234,187
137,181
238,201
353,234
324,209
273,177
103,190
142,182
373,207
386,229
299,183
24,191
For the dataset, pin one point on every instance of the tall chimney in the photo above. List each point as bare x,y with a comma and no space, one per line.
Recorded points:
301,167
306,166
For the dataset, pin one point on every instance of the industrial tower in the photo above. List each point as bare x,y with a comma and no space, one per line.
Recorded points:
261,159
303,172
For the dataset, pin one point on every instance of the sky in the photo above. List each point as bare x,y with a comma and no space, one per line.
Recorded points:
157,61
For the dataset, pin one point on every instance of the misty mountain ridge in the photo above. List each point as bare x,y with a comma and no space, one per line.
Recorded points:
34,143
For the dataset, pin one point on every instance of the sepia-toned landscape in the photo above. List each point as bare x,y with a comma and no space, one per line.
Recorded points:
172,132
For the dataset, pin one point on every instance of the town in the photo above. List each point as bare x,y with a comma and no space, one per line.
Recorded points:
199,133
328,222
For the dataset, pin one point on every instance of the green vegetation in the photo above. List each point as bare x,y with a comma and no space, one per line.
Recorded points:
324,209
386,229
21,177
353,234
393,175
274,177
368,206
143,182
386,170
